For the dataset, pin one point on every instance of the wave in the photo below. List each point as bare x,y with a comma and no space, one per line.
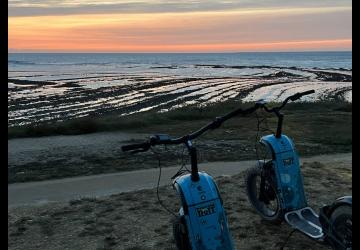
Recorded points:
21,62
223,66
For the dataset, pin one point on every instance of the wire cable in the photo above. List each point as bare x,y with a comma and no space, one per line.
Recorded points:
181,170
260,129
158,185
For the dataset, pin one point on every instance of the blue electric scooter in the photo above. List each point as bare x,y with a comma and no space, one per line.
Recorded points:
201,223
275,189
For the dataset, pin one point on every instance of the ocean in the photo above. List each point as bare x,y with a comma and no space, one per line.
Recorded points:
182,63
48,87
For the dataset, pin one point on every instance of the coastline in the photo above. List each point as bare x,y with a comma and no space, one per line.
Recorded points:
48,98
71,126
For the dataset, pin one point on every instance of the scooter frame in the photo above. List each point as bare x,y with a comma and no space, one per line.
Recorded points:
202,209
288,182
201,205
285,162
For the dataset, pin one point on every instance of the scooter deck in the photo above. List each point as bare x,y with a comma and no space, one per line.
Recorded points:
306,221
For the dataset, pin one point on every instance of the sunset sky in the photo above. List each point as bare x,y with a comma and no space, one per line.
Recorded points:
179,26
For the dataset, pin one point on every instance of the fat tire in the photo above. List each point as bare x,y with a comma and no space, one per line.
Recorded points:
251,193
181,234
338,219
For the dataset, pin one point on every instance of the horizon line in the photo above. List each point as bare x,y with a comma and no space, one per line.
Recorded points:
118,52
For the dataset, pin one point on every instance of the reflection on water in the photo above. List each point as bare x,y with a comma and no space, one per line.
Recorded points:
54,96
278,93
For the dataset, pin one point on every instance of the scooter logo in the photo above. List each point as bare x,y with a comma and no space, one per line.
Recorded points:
288,161
203,211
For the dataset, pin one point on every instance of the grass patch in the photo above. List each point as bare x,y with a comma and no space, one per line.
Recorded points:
116,122
316,128
152,119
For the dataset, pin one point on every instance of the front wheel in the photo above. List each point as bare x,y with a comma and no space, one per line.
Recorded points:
265,200
341,224
180,234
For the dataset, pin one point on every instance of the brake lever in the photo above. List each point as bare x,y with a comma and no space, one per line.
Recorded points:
175,175
178,174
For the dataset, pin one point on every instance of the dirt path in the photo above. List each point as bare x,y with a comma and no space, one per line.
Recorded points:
37,193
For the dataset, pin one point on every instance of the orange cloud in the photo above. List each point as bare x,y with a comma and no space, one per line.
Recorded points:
239,30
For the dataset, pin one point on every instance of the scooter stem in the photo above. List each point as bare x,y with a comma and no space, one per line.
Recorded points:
194,168
279,125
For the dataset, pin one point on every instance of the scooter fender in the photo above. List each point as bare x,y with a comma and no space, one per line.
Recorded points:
345,200
327,210
287,168
342,201
205,217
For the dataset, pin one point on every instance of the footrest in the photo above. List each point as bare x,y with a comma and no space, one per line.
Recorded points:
306,221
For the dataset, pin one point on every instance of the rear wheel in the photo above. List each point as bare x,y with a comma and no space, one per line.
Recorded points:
181,234
266,203
341,223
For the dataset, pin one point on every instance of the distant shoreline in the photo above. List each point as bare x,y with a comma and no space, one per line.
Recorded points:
225,52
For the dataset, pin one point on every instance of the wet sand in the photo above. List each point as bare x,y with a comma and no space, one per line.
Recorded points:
34,101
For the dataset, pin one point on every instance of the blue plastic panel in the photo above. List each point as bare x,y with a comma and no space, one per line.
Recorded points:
205,216
279,145
288,174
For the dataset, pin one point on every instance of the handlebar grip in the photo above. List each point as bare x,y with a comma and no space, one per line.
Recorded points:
144,146
300,94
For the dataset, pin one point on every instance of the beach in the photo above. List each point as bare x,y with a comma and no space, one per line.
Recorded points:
69,115
135,220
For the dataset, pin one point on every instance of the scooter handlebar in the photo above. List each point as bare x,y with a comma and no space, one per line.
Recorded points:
292,98
165,139
300,94
154,140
